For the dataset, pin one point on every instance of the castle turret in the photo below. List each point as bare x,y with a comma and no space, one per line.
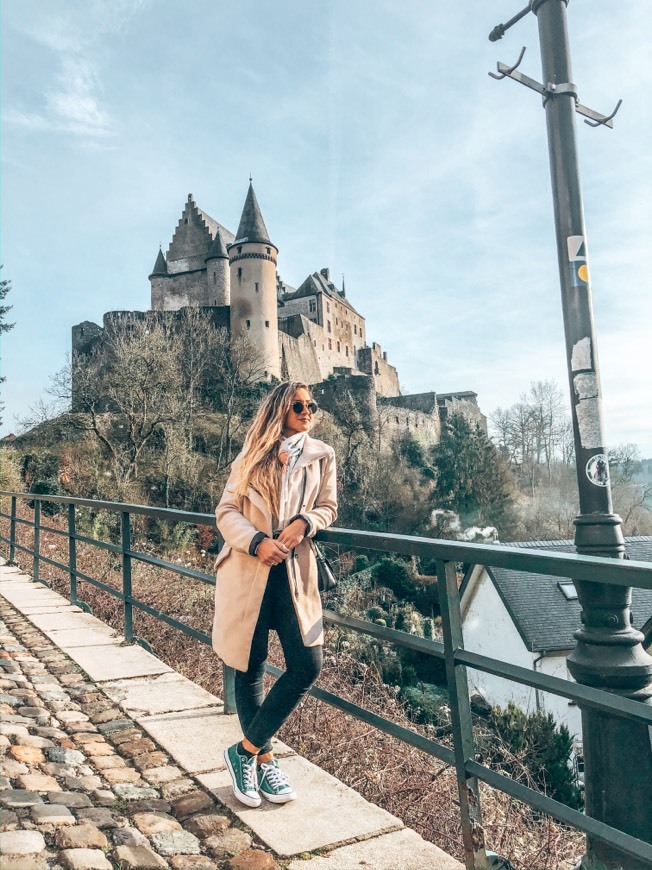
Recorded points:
217,272
158,280
252,258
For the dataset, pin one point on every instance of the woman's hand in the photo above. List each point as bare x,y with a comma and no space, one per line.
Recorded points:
272,552
293,534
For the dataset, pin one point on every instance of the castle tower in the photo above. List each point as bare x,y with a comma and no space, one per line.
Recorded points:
159,279
254,309
217,272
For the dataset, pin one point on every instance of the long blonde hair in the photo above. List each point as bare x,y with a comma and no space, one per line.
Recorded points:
260,467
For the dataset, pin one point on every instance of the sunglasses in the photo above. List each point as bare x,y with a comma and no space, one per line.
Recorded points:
298,407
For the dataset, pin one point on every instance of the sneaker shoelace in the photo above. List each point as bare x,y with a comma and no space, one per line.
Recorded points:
275,776
249,778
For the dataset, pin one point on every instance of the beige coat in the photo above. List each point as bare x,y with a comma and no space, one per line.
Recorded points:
241,578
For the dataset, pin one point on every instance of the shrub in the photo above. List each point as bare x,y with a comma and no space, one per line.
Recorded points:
360,563
533,746
395,576
46,487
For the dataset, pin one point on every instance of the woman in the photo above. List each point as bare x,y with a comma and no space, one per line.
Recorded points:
281,492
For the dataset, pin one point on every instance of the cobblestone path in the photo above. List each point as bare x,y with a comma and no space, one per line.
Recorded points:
83,787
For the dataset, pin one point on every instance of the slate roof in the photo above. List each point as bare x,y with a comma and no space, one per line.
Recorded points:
316,283
252,226
544,617
218,248
160,266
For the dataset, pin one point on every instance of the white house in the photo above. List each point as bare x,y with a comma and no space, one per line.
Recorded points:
529,620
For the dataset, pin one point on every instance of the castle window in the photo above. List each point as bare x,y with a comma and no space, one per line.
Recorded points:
346,348
214,277
240,249
338,348
328,307
248,324
355,328
397,419
313,305
269,251
328,324
376,369
330,344
239,273
315,343
267,323
185,220
256,286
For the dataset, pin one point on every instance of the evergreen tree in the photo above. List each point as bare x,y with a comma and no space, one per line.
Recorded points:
531,746
471,476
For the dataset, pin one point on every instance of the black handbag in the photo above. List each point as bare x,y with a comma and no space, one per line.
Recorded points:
326,579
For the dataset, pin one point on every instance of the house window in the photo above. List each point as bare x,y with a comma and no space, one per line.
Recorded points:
569,591
248,324
330,344
256,286
328,324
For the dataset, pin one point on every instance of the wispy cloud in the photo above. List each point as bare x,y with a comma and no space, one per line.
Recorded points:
73,103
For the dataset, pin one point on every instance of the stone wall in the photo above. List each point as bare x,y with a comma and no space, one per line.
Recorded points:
171,292
372,361
299,360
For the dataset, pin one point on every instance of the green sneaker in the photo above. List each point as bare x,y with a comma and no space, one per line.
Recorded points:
274,784
244,775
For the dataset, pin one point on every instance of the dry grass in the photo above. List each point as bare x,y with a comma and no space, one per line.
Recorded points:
420,790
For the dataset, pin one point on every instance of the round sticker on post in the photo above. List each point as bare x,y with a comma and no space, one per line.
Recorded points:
597,469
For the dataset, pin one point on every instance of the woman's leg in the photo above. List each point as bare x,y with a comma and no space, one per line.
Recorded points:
303,664
249,684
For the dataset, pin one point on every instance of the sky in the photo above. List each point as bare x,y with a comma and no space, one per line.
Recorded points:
378,146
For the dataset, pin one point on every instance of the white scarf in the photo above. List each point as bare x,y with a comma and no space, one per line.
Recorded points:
288,453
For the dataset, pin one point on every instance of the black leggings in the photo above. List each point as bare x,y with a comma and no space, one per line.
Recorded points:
260,716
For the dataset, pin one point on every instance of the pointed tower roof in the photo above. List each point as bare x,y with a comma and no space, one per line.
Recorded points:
218,248
252,226
160,266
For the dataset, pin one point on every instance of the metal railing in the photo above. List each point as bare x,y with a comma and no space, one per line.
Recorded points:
451,650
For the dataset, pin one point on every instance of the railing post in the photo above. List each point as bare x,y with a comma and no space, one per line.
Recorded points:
37,540
126,577
475,856
228,682
12,531
72,553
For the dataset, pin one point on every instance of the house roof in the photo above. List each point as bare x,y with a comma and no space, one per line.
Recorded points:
317,283
543,616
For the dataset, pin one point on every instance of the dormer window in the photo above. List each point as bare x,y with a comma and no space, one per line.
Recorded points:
568,590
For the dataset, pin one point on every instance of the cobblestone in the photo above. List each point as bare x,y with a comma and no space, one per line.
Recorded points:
85,836
252,859
228,843
175,843
192,862
138,858
85,859
52,814
152,823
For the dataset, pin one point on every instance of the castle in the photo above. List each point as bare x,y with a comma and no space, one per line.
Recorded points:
311,333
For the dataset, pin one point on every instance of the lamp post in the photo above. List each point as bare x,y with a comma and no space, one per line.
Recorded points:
609,653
